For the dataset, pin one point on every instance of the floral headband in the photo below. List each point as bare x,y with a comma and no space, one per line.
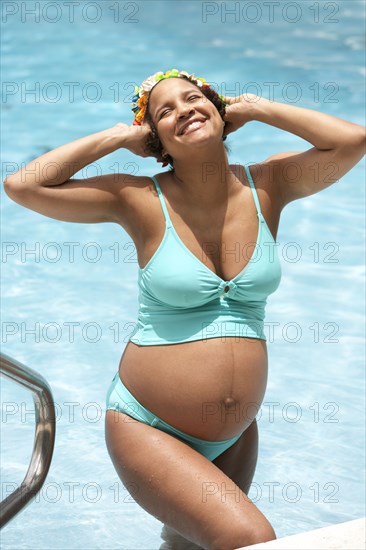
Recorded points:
142,93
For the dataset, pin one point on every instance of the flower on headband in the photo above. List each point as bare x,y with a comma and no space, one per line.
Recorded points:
149,83
142,101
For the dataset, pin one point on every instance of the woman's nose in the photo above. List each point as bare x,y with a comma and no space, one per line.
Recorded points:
184,109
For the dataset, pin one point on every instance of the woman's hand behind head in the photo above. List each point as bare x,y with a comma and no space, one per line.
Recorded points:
238,111
133,137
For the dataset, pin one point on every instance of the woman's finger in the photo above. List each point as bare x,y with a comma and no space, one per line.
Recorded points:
230,100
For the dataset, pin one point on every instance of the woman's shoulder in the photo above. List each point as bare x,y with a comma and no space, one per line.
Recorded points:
138,187
261,176
248,173
143,209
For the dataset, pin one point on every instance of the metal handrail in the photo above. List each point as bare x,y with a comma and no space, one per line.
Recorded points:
44,437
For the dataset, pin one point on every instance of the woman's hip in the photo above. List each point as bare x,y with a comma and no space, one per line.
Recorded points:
121,400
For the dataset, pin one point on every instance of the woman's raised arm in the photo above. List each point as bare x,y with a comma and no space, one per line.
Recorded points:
338,144
44,185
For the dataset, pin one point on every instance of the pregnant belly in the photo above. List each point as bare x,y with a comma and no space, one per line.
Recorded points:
211,390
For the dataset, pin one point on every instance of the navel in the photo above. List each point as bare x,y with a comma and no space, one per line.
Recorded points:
229,402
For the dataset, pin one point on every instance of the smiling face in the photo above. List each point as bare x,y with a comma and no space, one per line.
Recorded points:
183,117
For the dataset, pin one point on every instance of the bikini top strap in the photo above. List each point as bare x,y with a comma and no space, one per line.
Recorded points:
254,192
162,202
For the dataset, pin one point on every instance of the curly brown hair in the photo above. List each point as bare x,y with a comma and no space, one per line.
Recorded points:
153,144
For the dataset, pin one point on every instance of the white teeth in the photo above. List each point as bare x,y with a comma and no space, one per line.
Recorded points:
193,126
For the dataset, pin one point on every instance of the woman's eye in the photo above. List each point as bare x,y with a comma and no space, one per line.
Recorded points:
163,113
193,97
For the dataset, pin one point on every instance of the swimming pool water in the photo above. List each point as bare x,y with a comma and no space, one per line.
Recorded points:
69,293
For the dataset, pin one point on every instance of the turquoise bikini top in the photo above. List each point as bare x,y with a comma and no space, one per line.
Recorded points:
182,300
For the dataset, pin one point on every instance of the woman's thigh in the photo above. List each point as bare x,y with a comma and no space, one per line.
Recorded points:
181,488
240,460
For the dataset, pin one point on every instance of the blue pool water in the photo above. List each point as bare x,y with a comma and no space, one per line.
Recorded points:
69,293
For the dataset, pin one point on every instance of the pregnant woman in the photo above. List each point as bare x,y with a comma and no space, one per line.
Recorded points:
180,420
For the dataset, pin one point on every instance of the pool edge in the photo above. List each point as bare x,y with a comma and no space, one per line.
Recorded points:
350,535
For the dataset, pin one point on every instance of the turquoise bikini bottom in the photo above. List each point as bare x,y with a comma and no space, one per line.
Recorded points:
121,400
